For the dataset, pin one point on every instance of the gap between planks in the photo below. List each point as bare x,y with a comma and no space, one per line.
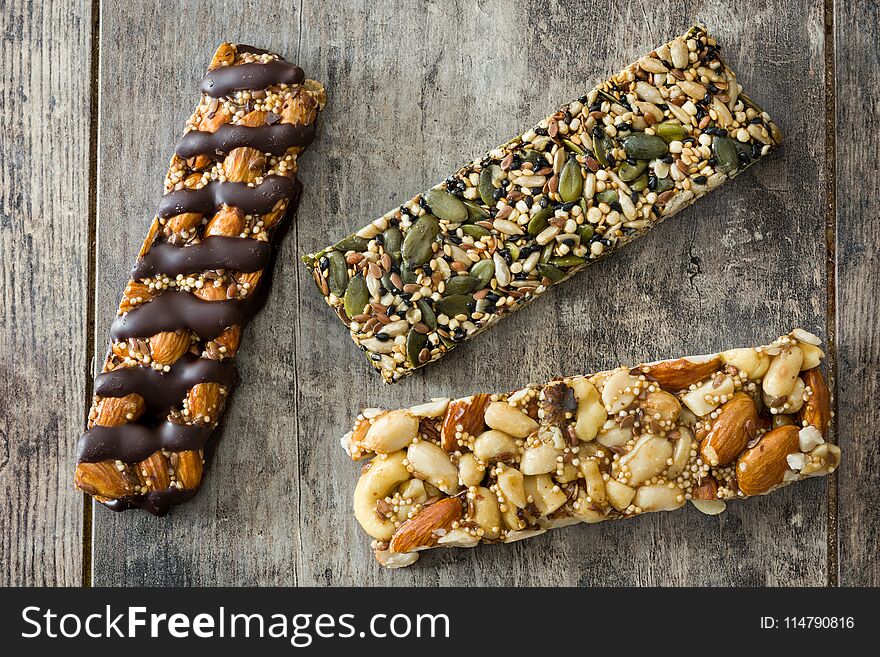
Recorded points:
833,536
91,269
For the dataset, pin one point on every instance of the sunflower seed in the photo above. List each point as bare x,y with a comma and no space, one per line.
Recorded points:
502,271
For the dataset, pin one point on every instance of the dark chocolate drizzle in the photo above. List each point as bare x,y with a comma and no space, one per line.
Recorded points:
156,502
274,139
252,200
172,310
131,443
245,48
163,390
215,252
227,79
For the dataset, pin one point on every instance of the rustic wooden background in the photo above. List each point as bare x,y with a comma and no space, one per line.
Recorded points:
93,97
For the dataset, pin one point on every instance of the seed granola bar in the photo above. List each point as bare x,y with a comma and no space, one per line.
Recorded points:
582,183
504,467
202,272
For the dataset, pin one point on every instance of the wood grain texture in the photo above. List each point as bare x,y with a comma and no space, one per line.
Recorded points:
414,91
858,278
44,100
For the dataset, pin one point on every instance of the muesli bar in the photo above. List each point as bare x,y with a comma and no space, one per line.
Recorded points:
202,272
498,468
585,181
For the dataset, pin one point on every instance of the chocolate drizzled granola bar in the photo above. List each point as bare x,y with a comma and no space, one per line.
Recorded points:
586,180
504,467
202,272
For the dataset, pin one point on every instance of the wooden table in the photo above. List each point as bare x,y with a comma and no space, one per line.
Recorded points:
93,97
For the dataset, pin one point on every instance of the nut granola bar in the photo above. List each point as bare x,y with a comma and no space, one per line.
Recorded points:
203,270
586,180
504,467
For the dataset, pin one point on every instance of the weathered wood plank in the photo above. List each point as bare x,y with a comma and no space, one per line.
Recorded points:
44,228
455,80
858,276
414,91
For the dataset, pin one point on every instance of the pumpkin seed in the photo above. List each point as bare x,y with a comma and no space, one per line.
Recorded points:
483,270
428,316
415,342
549,271
664,184
571,183
670,131
514,251
607,196
461,285
351,243
547,252
640,184
529,155
356,296
629,172
446,206
477,232
417,245
725,152
585,233
643,146
475,212
449,344
538,222
486,188
567,261
338,278
574,148
387,284
407,275
601,146
748,102
392,239
456,304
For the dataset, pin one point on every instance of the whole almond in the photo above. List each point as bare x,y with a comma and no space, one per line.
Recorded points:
763,466
224,55
204,401
675,375
732,430
816,410
104,480
134,295
229,340
428,526
244,164
467,413
153,472
115,411
188,468
168,346
211,292
185,221
228,222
